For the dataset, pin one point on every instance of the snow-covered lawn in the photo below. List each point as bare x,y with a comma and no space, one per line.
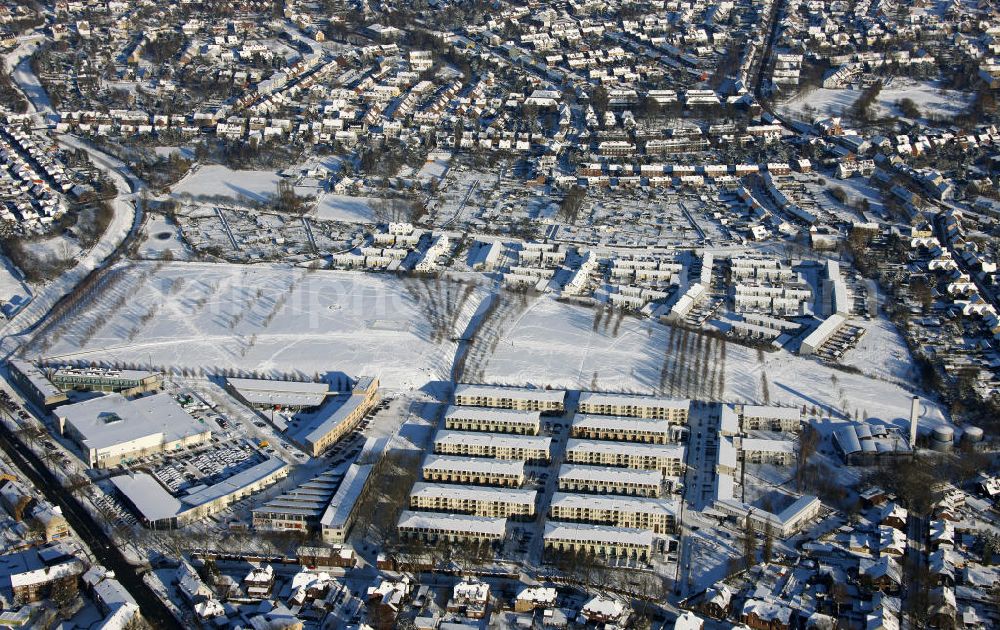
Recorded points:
215,180
435,167
269,319
346,208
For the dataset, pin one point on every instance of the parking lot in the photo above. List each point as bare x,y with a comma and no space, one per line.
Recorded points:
207,466
840,342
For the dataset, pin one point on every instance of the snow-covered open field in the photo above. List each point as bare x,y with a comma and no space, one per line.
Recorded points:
928,97
822,102
215,180
331,207
551,343
13,292
272,320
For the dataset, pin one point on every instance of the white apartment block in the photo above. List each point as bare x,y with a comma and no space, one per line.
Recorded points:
596,427
602,541
433,527
658,515
498,445
674,411
767,418
777,452
775,300
476,500
521,398
668,459
609,480
760,270
473,470
492,420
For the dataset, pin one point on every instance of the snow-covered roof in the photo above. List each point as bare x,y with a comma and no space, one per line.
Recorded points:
614,503
112,419
605,608
675,451
494,494
496,440
727,455
284,393
631,400
481,465
46,574
609,474
36,377
487,414
539,595
591,421
516,393
767,446
767,411
439,521
557,530
342,503
729,421
150,498
768,611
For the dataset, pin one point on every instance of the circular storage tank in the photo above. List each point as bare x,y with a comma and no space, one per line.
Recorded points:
973,434
942,438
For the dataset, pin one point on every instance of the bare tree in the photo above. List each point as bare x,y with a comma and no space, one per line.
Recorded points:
768,547
808,441
748,542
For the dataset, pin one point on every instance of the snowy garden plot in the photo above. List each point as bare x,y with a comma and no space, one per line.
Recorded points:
271,320
259,235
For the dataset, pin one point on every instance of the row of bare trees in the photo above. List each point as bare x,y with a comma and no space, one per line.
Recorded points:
694,365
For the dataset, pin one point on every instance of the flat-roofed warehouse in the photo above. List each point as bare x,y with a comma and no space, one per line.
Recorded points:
34,384
767,418
269,394
658,515
626,429
477,500
667,458
522,398
474,470
434,527
159,509
675,411
499,445
603,541
610,480
125,382
492,420
111,429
